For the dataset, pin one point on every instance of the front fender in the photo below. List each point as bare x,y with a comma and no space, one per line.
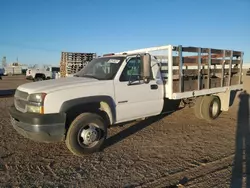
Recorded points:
106,103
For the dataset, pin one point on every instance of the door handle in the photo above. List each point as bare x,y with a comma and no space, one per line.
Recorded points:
154,86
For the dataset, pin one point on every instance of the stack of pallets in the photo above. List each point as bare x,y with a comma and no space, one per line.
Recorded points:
72,62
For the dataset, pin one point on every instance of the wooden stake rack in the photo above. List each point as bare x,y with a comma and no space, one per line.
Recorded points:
213,68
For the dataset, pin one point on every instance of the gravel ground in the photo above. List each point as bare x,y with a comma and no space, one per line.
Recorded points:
162,151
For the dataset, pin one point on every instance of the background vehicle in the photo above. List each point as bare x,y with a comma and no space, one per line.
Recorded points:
248,72
126,86
1,73
42,73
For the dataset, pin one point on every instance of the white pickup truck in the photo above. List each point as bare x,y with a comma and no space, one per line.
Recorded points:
41,73
125,86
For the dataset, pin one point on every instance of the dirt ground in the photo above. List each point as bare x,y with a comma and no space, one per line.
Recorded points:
162,151
12,82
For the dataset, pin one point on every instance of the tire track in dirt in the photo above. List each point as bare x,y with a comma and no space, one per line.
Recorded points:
190,175
219,178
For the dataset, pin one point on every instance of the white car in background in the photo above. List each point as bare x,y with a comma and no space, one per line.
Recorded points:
1,73
43,73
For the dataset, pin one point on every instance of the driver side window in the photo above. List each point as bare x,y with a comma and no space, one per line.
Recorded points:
132,70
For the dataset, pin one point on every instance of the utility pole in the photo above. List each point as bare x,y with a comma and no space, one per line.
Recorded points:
4,64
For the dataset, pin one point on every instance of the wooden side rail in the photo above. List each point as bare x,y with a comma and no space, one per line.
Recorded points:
206,75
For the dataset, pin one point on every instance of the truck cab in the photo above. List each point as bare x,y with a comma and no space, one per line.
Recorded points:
111,89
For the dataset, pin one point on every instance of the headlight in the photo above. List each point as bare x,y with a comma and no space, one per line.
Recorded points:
37,97
35,103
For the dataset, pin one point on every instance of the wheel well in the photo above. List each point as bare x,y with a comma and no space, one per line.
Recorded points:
93,107
40,75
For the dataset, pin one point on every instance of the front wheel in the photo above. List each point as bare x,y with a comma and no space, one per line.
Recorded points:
86,134
38,79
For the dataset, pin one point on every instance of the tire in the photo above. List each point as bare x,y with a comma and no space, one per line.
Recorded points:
74,138
211,106
37,79
198,107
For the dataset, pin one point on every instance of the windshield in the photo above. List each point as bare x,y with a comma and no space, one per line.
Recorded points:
104,68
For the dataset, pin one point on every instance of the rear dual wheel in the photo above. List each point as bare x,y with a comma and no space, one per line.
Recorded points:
207,107
197,108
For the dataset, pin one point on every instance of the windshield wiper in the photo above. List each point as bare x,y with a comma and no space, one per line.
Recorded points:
90,76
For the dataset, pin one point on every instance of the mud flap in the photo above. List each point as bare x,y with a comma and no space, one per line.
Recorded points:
227,99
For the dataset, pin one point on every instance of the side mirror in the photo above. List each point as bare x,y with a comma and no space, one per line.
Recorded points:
146,66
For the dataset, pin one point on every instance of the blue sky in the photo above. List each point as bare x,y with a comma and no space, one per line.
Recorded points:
36,31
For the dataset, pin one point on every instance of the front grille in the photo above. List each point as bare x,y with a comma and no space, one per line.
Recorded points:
20,100
21,94
20,104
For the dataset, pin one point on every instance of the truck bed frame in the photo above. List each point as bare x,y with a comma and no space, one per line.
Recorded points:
194,71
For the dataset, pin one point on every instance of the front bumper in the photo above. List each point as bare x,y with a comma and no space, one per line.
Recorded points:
39,127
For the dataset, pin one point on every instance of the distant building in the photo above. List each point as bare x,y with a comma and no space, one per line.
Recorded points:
13,69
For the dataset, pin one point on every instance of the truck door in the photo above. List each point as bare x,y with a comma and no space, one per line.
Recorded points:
134,98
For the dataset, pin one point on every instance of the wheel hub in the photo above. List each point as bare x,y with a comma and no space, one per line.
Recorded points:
215,108
89,135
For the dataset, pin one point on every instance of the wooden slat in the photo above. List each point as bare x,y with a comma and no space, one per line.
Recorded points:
216,51
227,61
190,85
193,61
237,53
205,50
226,71
205,56
203,71
189,49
